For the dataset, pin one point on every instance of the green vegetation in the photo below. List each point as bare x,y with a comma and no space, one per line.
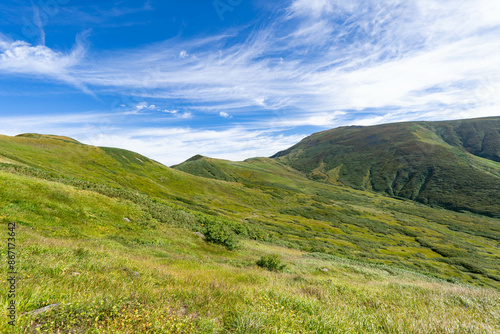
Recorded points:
271,262
220,234
107,236
455,164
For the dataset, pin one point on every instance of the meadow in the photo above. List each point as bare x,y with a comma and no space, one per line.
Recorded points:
108,237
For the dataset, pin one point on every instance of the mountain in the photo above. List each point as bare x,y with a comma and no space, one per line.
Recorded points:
453,164
116,242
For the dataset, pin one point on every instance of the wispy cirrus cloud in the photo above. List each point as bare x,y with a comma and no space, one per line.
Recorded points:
319,63
412,55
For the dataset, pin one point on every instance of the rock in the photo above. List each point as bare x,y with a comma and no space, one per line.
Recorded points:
43,309
324,269
126,219
75,273
199,234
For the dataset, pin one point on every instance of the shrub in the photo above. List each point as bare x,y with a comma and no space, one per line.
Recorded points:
217,233
271,262
469,266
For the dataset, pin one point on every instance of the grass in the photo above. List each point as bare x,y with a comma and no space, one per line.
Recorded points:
392,266
189,286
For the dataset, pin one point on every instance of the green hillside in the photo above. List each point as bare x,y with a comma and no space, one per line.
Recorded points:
453,164
107,236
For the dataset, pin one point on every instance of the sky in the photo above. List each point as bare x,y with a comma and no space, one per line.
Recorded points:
235,79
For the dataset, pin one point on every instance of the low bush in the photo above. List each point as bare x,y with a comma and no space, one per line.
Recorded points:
220,234
271,262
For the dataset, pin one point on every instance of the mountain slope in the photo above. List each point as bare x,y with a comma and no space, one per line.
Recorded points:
266,200
338,205
100,273
252,172
453,164
106,235
121,168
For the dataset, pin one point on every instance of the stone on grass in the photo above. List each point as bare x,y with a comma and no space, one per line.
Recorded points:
43,309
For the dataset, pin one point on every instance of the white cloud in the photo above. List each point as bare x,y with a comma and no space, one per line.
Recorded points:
39,24
395,82
77,125
321,56
18,57
282,121
313,8
176,113
323,63
185,115
170,111
390,54
183,143
145,105
21,57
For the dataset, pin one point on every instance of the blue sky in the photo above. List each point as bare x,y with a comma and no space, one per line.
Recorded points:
235,79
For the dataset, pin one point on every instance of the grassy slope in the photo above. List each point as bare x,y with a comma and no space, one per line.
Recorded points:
160,279
453,164
376,249
121,168
284,207
356,223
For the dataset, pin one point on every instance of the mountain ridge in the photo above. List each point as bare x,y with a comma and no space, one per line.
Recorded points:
431,162
452,164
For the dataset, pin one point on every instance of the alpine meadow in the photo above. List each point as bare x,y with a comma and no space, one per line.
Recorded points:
317,239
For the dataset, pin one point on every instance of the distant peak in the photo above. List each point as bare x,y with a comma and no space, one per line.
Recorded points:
196,157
